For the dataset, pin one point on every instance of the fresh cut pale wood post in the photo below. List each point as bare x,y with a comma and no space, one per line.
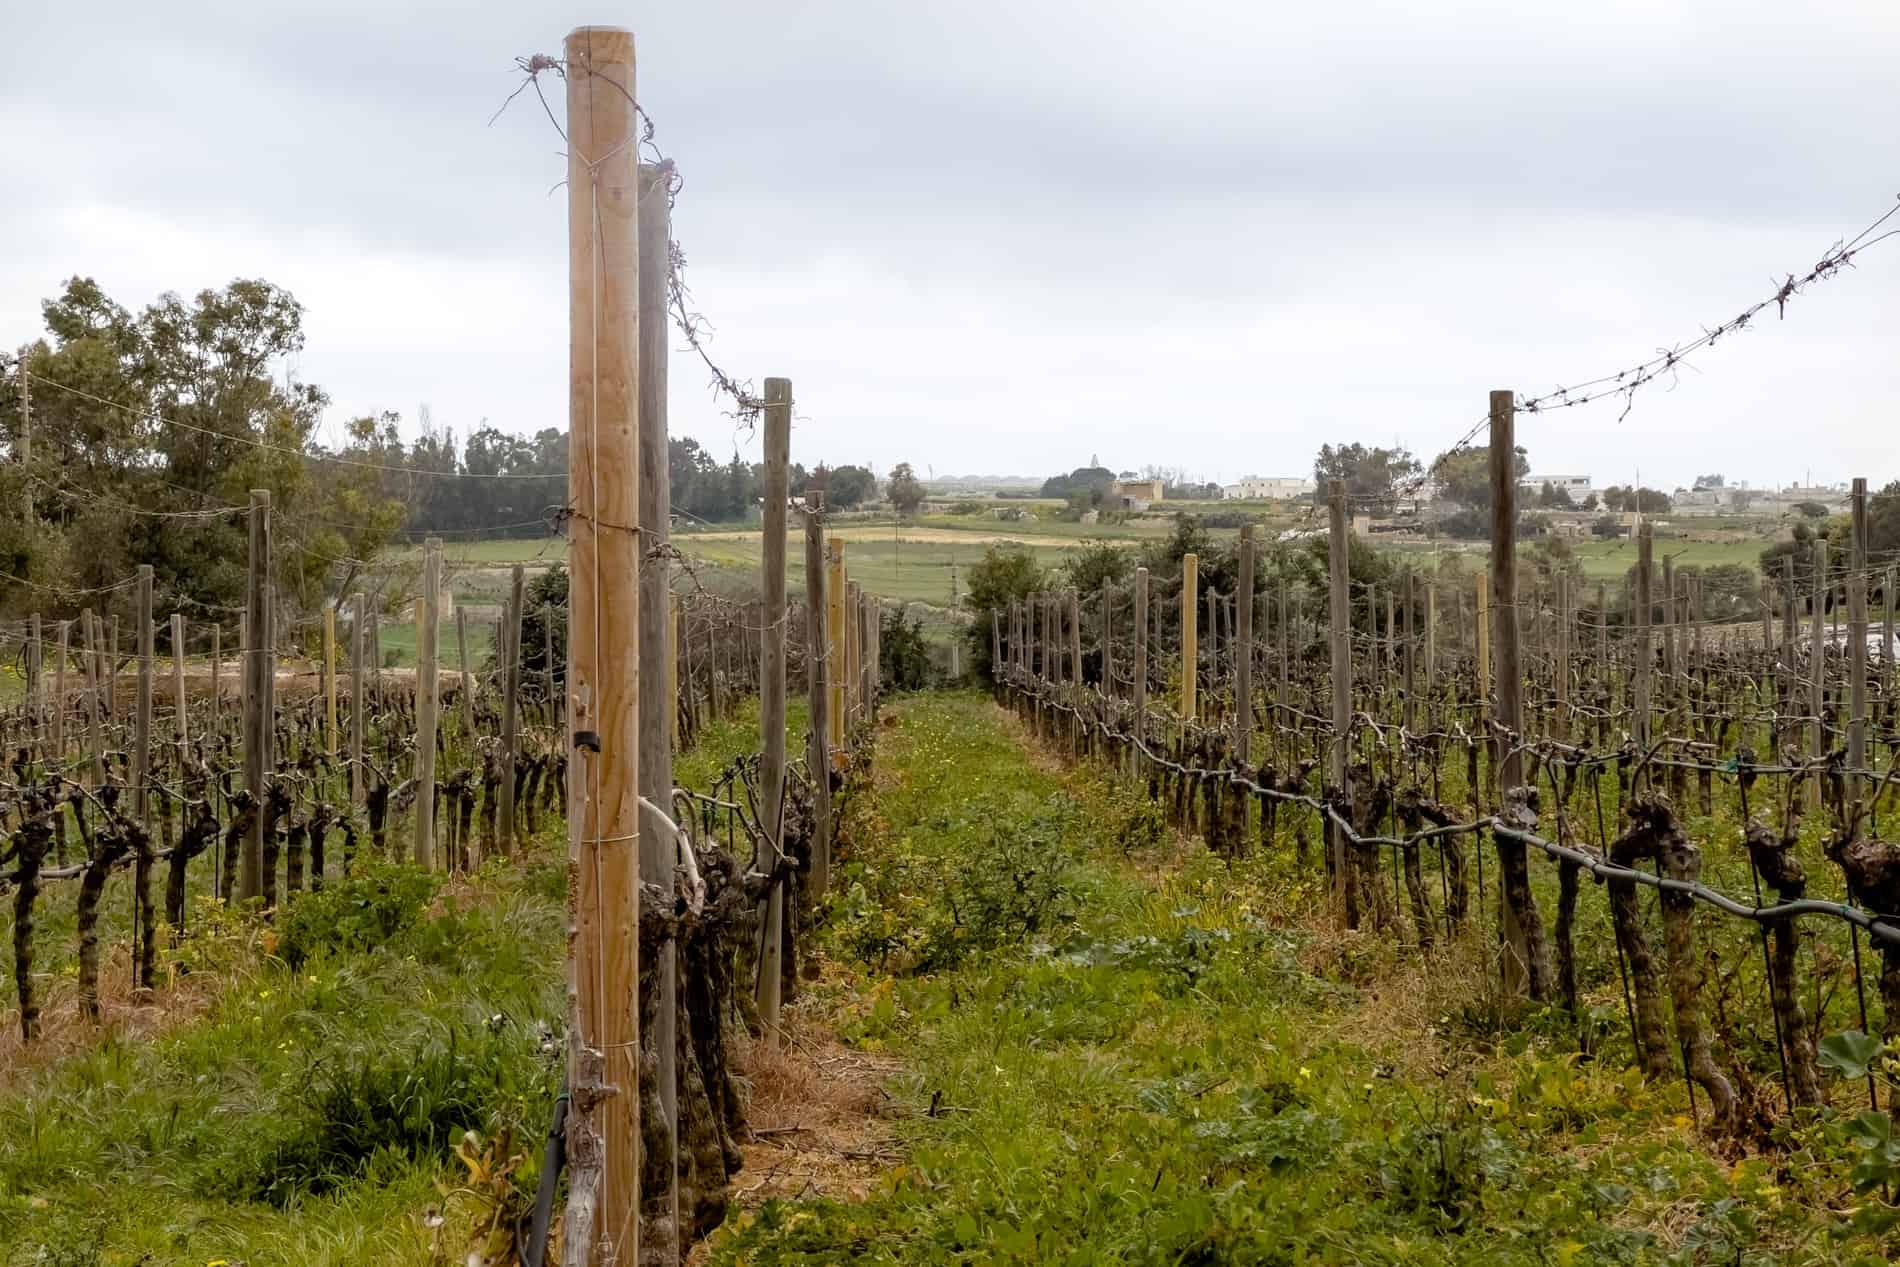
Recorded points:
602,1221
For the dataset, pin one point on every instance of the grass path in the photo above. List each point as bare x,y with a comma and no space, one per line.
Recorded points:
1119,1050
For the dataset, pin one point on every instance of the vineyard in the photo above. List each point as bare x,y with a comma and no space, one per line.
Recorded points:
570,848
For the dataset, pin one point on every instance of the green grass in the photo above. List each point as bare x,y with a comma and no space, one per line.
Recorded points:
1609,560
304,1102
399,644
1179,1064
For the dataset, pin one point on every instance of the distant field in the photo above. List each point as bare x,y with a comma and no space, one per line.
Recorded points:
913,562
1611,559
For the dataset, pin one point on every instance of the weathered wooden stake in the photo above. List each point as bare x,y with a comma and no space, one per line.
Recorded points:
260,671
511,707
778,434
1339,635
1243,654
428,699
1190,649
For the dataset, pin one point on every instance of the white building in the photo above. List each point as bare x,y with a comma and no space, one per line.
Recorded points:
1255,488
1578,486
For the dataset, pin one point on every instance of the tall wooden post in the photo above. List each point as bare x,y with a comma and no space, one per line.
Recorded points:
1482,607
260,672
548,691
1519,968
1560,673
659,851
603,1218
1190,649
1857,633
468,679
1339,637
1243,651
34,711
510,706
142,717
24,443
428,700
1645,654
818,673
182,726
59,693
778,432
329,678
1817,644
359,702
1141,654
834,630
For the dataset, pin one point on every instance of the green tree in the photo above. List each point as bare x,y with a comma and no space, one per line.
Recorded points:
847,487
903,654
905,491
151,428
1464,475
1007,573
1373,476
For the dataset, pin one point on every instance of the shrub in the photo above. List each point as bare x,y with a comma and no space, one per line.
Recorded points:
357,914
1018,882
411,1104
903,654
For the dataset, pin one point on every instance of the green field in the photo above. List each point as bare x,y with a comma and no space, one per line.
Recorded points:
915,561
1609,560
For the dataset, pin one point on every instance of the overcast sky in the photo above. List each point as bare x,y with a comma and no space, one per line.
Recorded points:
1006,236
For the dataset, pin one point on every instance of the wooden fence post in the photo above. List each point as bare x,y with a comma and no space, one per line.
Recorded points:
1339,637
1526,963
143,941
1645,656
1561,672
428,700
1190,641
834,631
1140,667
1817,668
35,710
359,701
818,673
468,679
778,431
659,850
1243,660
183,718
511,706
602,722
260,671
1857,634
327,678
59,693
